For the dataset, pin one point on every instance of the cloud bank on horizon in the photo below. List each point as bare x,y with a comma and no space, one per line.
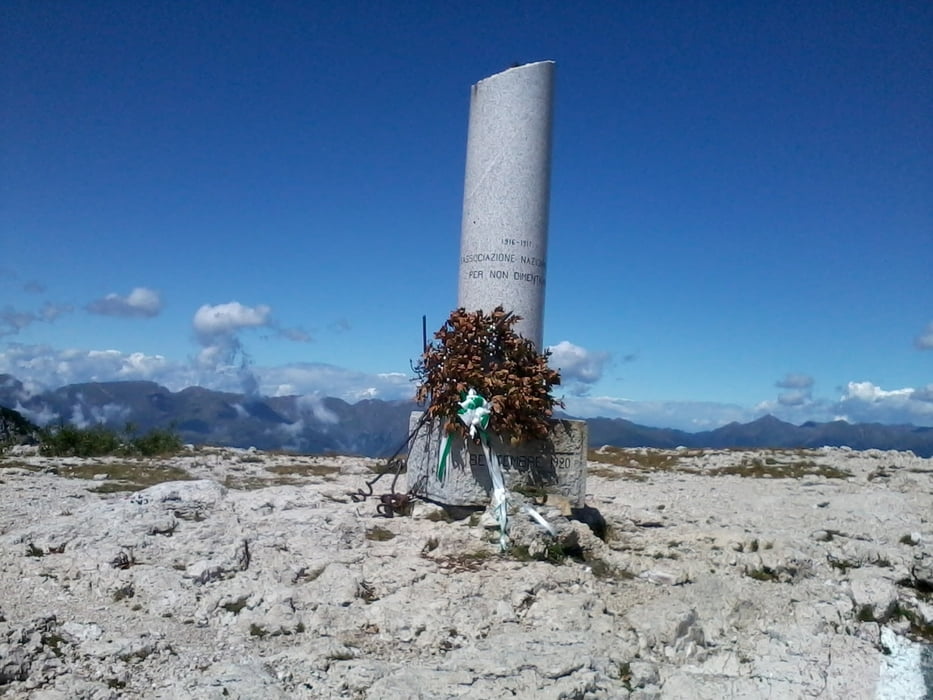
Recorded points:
223,363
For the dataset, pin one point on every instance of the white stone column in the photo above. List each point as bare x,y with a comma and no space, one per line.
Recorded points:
503,236
503,248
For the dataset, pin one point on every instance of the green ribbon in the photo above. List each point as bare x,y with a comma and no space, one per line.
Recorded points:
445,455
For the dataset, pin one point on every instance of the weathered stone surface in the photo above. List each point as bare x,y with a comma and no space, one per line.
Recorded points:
506,196
262,578
557,465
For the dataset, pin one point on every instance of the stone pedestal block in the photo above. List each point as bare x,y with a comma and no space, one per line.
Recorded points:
557,465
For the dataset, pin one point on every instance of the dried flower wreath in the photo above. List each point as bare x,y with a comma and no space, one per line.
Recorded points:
475,350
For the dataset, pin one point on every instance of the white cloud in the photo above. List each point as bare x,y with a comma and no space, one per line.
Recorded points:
924,341
691,416
578,366
84,416
26,388
41,366
296,334
78,419
793,411
864,402
113,413
798,397
216,328
860,402
868,392
314,404
12,321
138,364
794,380
800,389
213,321
140,303
226,319
319,379
49,311
41,416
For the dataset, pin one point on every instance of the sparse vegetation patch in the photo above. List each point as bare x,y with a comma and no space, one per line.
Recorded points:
379,534
252,483
604,570
465,561
646,459
763,573
758,469
614,474
99,440
628,463
123,476
324,470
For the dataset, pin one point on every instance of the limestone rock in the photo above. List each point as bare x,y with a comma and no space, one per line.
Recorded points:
261,577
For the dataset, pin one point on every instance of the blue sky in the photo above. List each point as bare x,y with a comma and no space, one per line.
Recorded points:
225,192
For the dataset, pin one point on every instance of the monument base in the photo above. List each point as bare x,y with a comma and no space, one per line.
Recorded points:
556,465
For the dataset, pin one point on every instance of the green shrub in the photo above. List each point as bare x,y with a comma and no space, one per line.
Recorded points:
70,441
99,441
157,442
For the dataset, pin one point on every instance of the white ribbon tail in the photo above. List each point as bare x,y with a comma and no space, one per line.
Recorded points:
500,497
538,518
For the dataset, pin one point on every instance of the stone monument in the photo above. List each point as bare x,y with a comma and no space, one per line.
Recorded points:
503,251
506,193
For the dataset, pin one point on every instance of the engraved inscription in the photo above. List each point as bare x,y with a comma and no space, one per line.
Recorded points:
525,463
508,265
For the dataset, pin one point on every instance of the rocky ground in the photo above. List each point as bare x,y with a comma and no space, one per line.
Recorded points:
746,574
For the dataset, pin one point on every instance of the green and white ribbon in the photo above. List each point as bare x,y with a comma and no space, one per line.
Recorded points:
475,413
500,497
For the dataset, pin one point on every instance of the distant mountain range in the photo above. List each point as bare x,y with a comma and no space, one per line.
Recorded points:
377,428
767,431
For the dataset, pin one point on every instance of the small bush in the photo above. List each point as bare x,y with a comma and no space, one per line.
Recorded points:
100,441
379,534
70,441
156,442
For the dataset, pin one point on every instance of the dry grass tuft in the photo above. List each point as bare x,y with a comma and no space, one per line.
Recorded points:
636,464
123,476
770,468
322,470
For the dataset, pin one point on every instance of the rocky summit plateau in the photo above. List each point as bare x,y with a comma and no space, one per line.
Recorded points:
233,573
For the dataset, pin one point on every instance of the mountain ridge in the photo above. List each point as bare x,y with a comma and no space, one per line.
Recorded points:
377,428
